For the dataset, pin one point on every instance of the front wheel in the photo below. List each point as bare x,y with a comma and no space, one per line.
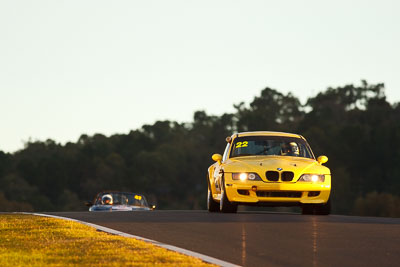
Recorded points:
317,209
224,204
212,206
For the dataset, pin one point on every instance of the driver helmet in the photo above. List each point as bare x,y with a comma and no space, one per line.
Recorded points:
107,200
295,148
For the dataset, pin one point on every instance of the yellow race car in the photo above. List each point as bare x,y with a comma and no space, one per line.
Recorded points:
268,169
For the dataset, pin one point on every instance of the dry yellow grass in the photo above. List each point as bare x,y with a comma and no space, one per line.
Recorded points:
38,241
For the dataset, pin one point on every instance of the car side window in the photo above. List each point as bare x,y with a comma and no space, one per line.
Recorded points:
225,156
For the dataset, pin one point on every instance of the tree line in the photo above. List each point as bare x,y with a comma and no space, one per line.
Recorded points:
354,125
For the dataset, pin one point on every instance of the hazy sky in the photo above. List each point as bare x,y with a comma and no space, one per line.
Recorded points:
73,67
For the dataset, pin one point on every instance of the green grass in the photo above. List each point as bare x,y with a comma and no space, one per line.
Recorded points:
38,241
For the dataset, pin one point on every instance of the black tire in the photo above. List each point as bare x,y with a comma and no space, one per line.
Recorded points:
212,206
225,205
314,209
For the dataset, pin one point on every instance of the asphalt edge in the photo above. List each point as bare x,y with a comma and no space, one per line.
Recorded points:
203,257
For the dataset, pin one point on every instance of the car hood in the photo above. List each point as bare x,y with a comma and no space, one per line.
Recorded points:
260,164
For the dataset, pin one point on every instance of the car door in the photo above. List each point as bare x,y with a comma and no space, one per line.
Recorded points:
218,170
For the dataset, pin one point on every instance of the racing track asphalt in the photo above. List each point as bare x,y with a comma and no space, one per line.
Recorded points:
262,238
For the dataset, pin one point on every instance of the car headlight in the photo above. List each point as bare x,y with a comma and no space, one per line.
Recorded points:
312,178
243,176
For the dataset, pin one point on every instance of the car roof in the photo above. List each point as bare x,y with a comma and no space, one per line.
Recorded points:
266,133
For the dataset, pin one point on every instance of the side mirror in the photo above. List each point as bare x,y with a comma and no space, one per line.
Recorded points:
322,159
88,203
217,158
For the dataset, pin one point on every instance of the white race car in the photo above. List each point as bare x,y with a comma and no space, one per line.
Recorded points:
119,201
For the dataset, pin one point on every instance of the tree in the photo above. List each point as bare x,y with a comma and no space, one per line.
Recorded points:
272,110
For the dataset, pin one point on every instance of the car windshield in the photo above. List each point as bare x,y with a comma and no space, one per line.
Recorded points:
118,198
270,145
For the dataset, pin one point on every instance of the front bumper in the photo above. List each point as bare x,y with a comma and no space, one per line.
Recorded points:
260,192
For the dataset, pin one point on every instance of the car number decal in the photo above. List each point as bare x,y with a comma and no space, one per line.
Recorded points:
242,144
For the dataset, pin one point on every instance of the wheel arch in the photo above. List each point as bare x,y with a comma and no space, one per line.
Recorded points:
210,182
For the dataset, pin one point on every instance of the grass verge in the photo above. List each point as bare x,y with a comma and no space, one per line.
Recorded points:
37,241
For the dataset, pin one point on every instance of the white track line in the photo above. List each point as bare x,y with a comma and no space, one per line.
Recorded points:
203,257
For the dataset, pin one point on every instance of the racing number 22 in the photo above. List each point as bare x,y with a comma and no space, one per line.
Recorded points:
242,144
